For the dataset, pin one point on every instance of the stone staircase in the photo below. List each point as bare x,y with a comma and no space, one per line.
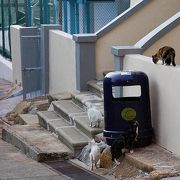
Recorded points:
62,133
59,134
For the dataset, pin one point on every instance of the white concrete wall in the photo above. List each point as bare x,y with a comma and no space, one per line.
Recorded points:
6,69
132,30
16,53
165,99
62,67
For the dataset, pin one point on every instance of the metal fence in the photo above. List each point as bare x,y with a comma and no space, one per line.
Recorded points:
90,16
75,16
11,12
25,13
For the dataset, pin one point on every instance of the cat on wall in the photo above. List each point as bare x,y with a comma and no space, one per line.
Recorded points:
166,54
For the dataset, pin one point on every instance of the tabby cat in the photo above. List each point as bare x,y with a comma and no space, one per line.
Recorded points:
166,54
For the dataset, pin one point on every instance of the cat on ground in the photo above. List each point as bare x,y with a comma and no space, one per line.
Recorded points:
131,137
118,149
124,142
166,54
94,155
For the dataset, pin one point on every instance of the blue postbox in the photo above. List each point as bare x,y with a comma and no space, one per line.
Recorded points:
118,111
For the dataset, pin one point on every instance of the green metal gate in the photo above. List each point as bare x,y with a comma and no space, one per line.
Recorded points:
26,13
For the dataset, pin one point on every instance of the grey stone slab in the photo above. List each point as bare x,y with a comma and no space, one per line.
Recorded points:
73,138
55,124
28,119
36,142
48,114
96,87
66,108
86,99
83,124
51,121
61,96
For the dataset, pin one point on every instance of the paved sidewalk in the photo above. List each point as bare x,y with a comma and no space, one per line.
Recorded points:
16,166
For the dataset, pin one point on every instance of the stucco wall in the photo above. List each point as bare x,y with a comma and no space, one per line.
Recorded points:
172,39
165,99
133,29
16,53
62,73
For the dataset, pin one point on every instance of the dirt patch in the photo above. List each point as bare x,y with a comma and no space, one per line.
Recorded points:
126,171
31,106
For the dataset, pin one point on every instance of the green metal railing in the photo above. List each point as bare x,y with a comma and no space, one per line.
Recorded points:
75,16
25,13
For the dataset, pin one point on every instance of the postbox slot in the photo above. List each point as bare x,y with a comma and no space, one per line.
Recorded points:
126,91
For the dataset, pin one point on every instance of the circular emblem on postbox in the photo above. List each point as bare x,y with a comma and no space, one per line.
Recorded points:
128,114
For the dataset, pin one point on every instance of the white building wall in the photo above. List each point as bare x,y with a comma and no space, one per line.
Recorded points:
16,53
62,67
165,99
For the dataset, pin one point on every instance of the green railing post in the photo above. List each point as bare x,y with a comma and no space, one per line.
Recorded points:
10,22
65,21
28,13
72,16
87,12
46,12
2,27
41,11
16,10
77,18
55,12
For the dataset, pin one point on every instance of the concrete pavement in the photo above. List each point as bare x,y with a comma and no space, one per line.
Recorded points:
15,165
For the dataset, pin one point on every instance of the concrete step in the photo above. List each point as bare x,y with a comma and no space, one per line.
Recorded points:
83,124
51,121
60,96
67,109
36,142
28,119
87,99
73,138
96,87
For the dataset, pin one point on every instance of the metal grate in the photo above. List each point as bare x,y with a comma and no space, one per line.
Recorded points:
73,171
